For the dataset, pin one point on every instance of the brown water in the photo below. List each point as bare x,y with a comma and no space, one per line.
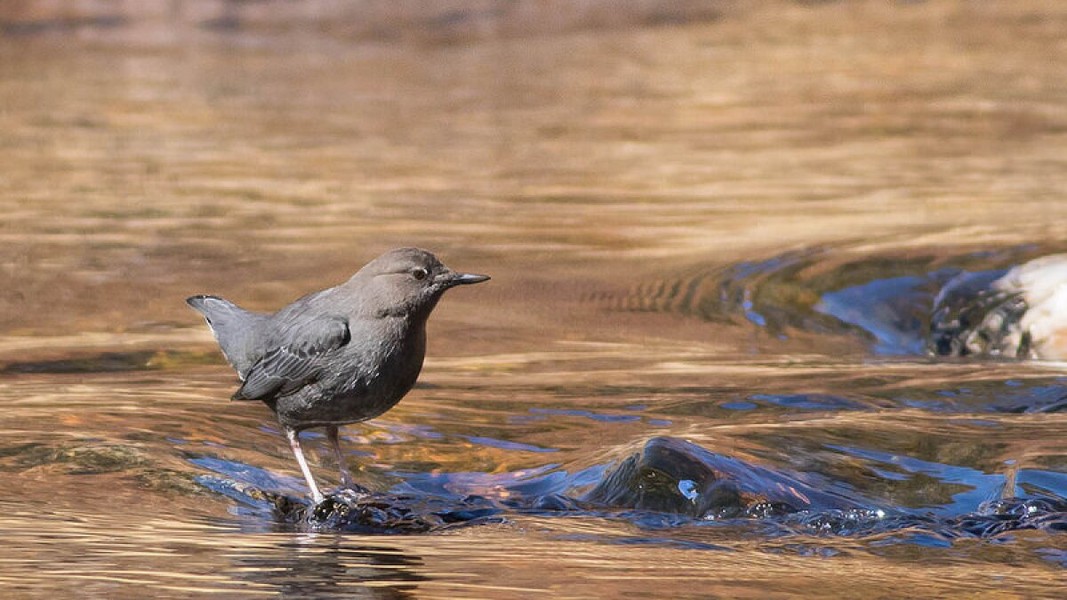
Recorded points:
665,204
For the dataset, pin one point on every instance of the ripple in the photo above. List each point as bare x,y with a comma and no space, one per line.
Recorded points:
914,303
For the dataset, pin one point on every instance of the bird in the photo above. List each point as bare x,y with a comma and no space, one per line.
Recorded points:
338,356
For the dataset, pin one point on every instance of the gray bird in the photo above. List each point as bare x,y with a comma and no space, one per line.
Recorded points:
338,356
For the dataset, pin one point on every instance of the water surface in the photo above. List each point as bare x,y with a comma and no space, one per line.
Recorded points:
724,227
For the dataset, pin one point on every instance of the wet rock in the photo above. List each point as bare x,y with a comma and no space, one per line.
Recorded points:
965,305
675,476
972,316
669,483
1013,514
362,511
358,510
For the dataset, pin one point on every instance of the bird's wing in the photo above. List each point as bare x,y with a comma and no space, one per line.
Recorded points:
296,361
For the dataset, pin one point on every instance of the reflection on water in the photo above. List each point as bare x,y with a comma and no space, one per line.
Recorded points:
720,236
923,453
314,566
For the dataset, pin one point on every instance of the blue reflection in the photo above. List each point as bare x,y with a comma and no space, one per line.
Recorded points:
809,401
242,472
574,412
982,486
876,307
506,445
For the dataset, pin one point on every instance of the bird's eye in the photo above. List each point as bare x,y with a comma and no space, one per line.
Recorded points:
419,273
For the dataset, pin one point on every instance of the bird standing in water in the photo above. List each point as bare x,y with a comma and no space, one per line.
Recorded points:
338,356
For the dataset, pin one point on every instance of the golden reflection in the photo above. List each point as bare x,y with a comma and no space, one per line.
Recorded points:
256,149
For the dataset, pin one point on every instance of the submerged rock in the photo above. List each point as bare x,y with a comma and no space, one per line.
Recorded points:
669,482
87,457
1012,514
968,305
362,511
358,510
675,476
964,310
971,316
1043,285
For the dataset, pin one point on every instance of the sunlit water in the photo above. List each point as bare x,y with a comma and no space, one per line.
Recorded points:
728,230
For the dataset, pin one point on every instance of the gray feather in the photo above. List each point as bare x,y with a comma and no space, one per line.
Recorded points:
297,360
239,332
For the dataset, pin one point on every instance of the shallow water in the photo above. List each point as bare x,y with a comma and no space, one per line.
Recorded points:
724,227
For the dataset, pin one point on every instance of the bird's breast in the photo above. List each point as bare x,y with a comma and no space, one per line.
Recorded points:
367,379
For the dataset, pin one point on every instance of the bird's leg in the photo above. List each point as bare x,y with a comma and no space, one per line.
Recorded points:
331,434
294,443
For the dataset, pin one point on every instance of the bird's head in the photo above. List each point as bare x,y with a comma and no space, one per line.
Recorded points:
408,281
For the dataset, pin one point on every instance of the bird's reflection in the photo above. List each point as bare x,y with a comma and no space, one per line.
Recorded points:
314,565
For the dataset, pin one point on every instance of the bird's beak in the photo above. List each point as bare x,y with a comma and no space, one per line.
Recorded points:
466,279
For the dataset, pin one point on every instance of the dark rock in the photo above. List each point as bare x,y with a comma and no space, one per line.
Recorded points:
675,476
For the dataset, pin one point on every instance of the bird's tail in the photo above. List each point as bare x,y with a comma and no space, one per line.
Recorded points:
237,330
